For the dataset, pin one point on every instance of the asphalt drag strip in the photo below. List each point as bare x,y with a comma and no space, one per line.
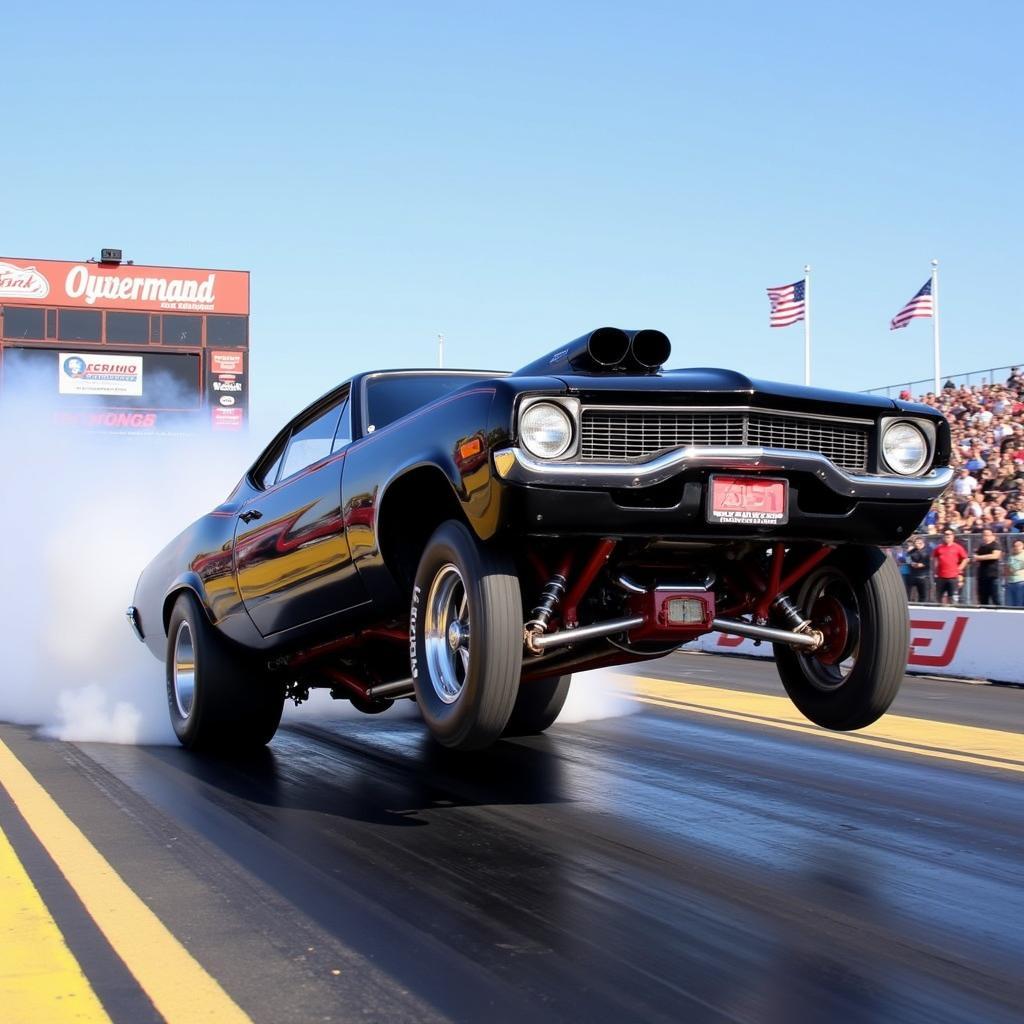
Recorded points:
669,865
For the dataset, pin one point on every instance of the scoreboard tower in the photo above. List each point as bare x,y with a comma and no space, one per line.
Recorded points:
110,345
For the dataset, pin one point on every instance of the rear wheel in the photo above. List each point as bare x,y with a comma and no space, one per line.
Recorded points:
216,698
857,600
537,706
466,630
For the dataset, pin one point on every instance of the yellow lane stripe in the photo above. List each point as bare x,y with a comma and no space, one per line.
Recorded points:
180,989
40,980
968,744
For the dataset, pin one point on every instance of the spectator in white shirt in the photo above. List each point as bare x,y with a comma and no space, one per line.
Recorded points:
964,485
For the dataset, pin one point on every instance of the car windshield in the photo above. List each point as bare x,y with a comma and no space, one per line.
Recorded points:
391,396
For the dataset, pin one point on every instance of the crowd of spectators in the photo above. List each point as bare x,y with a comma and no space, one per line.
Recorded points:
970,546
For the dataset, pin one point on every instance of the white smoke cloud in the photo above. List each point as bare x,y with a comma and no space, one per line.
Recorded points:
601,693
81,514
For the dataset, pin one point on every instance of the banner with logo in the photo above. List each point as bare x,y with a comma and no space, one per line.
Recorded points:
92,373
124,286
945,640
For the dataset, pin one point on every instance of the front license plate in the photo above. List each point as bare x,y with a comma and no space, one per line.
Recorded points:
748,501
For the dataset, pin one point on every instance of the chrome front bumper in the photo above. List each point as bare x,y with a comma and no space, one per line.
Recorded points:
516,466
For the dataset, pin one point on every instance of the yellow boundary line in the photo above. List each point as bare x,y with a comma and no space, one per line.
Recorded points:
947,741
180,989
40,980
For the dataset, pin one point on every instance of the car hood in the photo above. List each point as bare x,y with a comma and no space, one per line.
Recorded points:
739,388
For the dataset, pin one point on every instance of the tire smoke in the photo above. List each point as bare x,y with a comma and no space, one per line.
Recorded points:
82,513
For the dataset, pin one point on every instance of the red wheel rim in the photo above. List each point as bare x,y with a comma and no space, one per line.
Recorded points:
829,616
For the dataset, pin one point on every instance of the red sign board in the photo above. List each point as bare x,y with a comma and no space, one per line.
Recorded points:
124,286
227,362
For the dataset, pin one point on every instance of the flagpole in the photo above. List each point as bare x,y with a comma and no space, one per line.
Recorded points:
935,325
440,350
807,324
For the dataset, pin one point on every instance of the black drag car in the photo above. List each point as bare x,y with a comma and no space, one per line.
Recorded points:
469,539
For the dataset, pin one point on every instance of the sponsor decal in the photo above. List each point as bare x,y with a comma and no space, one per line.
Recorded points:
227,385
227,362
413,616
227,400
227,419
165,292
22,283
727,640
944,634
134,420
92,373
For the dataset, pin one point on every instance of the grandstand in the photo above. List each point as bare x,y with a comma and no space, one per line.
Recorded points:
987,425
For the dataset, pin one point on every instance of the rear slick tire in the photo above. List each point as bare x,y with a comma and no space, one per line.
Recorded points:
857,599
537,706
218,701
466,635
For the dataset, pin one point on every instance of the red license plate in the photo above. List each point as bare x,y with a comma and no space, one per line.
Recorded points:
748,501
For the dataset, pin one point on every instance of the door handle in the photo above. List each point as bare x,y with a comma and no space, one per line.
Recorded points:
248,517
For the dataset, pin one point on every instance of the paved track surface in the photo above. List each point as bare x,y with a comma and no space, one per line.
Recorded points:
662,866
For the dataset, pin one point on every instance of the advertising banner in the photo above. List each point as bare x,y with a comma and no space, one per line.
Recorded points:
945,640
91,373
227,419
231,361
123,286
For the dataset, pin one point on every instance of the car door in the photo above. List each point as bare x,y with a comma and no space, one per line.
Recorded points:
291,552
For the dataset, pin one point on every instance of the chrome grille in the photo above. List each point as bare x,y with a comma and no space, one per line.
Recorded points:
632,435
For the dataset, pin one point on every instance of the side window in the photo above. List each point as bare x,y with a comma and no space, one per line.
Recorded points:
311,442
269,476
343,435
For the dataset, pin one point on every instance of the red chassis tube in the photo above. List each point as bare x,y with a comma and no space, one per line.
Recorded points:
757,604
391,634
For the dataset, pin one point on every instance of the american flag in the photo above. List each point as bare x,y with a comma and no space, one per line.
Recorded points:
787,304
919,305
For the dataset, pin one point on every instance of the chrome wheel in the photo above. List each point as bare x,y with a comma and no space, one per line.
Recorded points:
184,673
446,633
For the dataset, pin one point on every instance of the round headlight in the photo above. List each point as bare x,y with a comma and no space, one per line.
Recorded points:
545,430
904,448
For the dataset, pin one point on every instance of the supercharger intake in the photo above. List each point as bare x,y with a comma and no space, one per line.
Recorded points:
609,350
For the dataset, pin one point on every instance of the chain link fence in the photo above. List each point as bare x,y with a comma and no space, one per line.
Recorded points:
923,587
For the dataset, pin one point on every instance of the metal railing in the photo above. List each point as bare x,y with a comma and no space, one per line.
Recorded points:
965,593
996,375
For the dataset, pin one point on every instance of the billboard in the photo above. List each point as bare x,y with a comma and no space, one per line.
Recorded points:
124,346
83,373
123,286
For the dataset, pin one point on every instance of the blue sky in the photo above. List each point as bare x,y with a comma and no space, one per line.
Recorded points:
516,174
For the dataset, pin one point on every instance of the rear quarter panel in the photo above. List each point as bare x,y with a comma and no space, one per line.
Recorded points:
198,559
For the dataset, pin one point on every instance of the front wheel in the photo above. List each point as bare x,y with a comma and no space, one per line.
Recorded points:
466,635
217,700
856,598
